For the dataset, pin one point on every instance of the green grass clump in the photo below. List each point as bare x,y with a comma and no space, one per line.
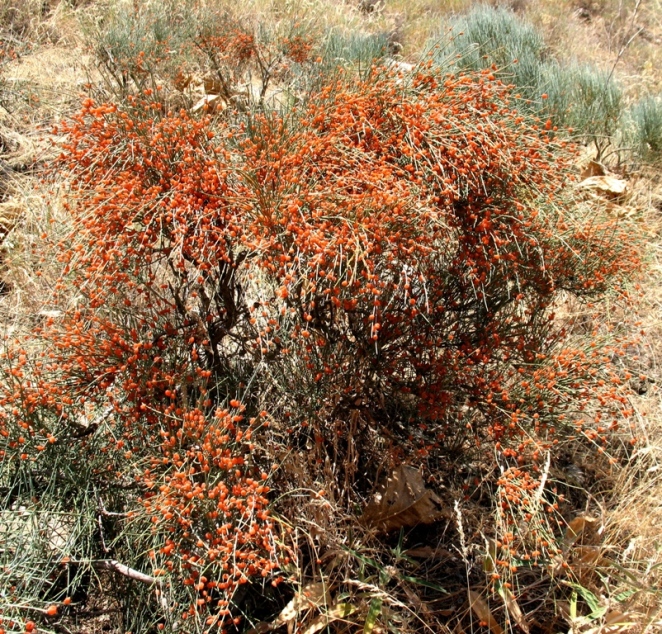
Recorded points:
644,128
360,49
581,97
487,36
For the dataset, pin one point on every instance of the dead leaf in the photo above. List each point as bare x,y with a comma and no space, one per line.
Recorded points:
611,186
482,611
182,80
212,103
514,611
403,500
212,85
10,212
576,528
588,556
593,168
338,611
314,595
615,622
614,617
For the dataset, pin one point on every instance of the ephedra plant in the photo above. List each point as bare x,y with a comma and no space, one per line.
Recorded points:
374,273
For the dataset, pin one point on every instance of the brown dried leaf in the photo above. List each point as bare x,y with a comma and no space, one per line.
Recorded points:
514,611
10,212
313,595
482,611
611,186
615,622
614,617
211,103
212,85
588,555
593,168
338,611
182,80
403,500
577,528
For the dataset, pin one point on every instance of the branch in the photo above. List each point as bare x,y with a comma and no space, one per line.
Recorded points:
116,566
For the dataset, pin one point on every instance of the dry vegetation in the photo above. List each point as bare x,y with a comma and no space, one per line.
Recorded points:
293,415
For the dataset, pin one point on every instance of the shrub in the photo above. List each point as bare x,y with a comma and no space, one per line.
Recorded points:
137,45
379,267
162,47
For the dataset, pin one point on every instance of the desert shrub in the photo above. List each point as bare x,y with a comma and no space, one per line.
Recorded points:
175,49
373,273
578,97
644,127
137,46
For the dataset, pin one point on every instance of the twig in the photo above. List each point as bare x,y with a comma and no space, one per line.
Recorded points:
131,573
627,44
115,566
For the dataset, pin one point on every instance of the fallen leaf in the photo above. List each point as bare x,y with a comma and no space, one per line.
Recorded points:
611,186
593,168
212,85
10,212
482,611
588,556
182,80
314,595
514,611
210,102
576,528
338,611
614,623
403,500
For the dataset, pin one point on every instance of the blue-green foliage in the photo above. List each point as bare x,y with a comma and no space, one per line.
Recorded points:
581,97
644,127
360,49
